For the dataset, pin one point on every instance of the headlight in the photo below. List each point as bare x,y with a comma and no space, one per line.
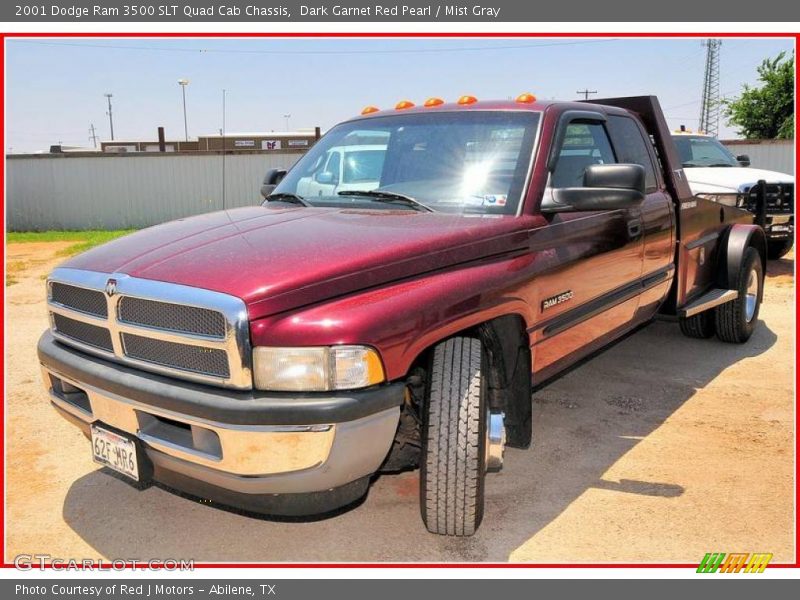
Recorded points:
316,369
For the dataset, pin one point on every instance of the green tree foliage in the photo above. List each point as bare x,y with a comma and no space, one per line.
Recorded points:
767,111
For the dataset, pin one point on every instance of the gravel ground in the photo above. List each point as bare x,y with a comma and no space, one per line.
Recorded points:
659,450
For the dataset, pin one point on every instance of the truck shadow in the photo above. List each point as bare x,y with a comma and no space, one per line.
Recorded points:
579,433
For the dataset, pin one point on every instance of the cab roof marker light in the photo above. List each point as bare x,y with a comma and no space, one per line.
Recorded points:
430,102
467,100
526,98
369,109
404,104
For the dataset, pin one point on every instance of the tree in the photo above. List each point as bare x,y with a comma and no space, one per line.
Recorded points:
766,112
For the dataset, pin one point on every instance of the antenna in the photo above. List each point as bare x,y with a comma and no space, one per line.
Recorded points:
709,112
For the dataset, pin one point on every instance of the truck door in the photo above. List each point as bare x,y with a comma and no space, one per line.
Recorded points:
632,145
589,293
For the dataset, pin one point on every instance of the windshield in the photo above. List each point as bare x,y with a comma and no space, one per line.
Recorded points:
700,151
467,161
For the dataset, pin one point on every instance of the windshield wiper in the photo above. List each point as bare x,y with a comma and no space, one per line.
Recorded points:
388,197
697,163
290,198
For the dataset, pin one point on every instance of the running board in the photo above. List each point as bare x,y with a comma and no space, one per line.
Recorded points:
708,300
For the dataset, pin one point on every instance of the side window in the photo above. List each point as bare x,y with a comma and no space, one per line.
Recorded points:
632,148
584,144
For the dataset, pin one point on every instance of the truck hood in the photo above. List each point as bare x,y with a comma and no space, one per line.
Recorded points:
279,259
721,180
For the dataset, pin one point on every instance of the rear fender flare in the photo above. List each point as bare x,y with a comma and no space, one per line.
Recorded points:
738,239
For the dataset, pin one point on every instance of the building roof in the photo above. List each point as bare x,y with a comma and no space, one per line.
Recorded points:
254,134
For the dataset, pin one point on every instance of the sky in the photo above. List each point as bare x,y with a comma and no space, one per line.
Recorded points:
55,87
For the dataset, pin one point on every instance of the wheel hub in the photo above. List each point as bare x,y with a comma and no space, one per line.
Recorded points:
751,295
495,440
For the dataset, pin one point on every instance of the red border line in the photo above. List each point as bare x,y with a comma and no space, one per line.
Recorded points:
412,35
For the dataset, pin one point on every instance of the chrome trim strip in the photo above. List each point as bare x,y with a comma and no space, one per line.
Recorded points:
236,343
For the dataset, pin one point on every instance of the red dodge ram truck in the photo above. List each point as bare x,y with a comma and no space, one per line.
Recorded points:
444,259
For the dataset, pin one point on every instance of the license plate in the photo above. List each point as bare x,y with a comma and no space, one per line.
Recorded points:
115,451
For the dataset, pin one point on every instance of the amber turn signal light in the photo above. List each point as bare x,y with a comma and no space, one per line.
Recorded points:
369,109
433,102
526,98
403,104
467,100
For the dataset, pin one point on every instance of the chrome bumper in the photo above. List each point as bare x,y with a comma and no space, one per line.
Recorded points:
245,458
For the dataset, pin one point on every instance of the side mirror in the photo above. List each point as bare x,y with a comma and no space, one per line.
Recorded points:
272,179
605,187
324,177
744,160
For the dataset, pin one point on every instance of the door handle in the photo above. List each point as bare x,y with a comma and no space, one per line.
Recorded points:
634,228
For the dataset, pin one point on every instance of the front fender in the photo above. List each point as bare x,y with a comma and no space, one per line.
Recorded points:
401,320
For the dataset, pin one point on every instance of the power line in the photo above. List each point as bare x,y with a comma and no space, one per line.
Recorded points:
316,52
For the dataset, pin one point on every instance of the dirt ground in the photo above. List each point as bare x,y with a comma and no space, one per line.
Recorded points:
659,450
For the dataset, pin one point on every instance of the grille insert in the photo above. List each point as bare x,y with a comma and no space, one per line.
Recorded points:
99,337
171,317
92,302
196,359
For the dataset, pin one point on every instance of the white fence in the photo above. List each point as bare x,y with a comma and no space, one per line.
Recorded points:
773,155
129,191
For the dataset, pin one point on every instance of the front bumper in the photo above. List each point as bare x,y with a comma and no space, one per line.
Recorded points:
779,226
267,452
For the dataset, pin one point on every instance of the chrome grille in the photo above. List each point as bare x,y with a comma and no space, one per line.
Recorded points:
171,317
208,361
89,301
95,336
173,329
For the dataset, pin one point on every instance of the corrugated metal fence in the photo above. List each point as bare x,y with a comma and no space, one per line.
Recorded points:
773,155
129,191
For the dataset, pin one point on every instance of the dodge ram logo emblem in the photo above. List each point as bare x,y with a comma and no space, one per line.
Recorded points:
111,287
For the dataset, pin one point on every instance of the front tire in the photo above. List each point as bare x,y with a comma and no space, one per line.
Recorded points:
736,320
454,439
778,249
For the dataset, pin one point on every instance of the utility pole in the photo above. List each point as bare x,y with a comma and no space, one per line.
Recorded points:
287,116
586,92
183,83
110,116
92,134
709,112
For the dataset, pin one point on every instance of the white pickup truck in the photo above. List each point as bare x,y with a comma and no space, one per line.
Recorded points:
713,172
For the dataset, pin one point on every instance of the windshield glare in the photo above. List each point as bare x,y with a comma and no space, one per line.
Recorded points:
700,151
468,162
